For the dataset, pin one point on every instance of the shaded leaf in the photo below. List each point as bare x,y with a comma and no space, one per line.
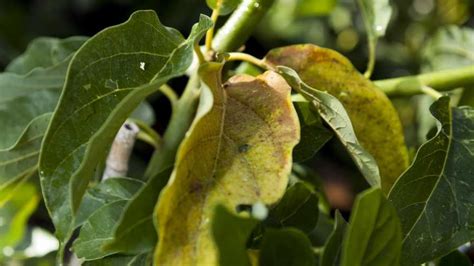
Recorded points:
286,247
333,113
97,230
374,235
298,208
44,52
224,6
238,151
22,158
433,197
331,255
135,231
313,134
320,235
106,81
230,233
15,212
107,191
375,120
455,258
120,260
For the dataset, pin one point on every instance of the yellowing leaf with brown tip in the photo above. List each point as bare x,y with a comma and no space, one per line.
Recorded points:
375,120
238,151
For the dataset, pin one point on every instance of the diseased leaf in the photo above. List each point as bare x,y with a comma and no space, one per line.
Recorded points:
230,233
22,158
313,134
375,120
15,209
107,191
135,231
374,235
333,113
224,6
120,260
106,81
298,208
44,52
331,255
238,151
433,197
284,247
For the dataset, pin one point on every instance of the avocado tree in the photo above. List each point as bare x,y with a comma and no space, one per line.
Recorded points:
227,183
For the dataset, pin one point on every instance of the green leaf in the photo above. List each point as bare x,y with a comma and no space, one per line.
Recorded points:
237,151
224,6
331,255
376,15
374,235
284,247
15,212
334,114
315,7
433,197
375,120
320,235
231,233
106,81
298,208
44,52
313,134
135,231
97,230
120,260
455,258
22,158
107,191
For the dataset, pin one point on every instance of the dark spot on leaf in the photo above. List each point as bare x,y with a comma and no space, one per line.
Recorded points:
244,148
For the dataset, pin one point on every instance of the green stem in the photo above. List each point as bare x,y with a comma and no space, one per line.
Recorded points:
181,119
240,25
441,81
372,55
250,59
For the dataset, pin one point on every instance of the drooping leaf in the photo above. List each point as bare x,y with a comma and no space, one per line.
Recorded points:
97,230
331,255
22,158
455,258
238,151
298,208
121,260
284,247
313,134
333,113
106,81
135,231
107,191
224,6
375,120
433,197
230,233
14,214
374,235
45,52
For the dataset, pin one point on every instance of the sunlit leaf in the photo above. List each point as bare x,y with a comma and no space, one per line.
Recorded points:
433,197
106,81
238,151
375,120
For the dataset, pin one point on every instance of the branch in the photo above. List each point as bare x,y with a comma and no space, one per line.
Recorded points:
441,81
240,25
117,161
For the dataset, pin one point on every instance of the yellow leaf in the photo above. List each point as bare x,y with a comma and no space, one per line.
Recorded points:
375,120
238,151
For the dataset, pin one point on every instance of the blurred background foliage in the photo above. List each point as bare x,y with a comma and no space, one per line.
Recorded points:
412,43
